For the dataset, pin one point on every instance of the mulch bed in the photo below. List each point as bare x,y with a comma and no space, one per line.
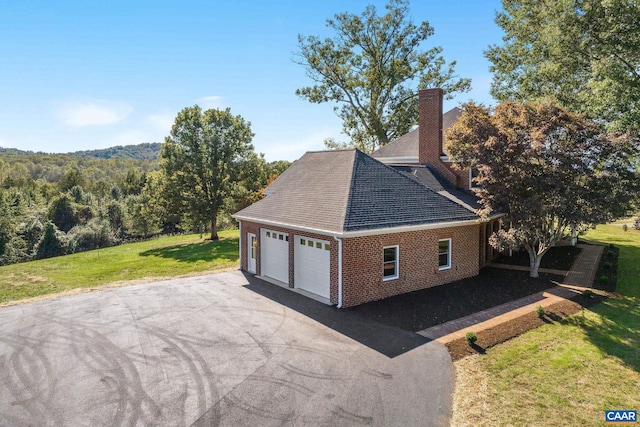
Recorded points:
557,258
429,307
492,287
511,329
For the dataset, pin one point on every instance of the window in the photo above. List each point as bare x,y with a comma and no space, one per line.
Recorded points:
327,247
268,234
444,254
318,245
280,236
303,242
310,243
390,263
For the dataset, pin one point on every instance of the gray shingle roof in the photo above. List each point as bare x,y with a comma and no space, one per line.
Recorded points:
407,144
347,190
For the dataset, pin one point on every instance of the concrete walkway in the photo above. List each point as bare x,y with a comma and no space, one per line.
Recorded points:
580,276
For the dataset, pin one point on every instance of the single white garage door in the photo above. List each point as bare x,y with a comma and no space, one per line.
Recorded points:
274,255
312,265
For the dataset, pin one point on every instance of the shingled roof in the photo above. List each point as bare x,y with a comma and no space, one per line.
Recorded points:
407,145
348,190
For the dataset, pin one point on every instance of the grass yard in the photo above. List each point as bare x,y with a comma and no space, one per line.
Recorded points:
564,373
133,262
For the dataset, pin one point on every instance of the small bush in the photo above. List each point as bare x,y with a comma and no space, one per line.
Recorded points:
588,293
606,265
636,223
625,227
471,337
603,280
540,311
610,254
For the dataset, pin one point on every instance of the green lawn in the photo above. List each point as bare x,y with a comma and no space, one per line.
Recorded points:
565,373
161,257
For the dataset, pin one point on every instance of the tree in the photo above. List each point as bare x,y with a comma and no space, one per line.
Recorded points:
53,242
203,158
546,170
63,214
372,68
584,53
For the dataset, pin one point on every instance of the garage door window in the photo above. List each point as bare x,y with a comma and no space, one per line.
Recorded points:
390,263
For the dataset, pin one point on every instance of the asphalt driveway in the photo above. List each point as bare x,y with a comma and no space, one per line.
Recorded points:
223,349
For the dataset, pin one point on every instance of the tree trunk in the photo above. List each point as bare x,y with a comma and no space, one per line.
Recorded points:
214,228
534,263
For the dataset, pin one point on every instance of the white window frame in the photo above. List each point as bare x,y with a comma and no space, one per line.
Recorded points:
448,266
396,261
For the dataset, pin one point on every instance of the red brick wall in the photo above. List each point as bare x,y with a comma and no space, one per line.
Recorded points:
362,260
418,262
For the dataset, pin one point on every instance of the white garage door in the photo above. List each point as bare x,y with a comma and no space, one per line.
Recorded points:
311,265
274,255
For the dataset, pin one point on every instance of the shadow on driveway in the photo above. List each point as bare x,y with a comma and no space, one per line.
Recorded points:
388,340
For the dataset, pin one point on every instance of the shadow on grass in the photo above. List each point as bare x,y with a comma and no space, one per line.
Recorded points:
616,331
223,249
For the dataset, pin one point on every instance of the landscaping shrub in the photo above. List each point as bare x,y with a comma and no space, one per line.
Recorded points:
636,223
540,311
588,293
471,337
95,234
603,280
606,265
625,227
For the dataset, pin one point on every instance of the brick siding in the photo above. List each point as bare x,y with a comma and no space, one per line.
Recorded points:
418,262
362,260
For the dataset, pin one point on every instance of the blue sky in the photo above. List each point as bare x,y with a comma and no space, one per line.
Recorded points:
79,75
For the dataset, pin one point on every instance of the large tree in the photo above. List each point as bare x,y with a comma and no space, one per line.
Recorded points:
584,53
546,169
372,68
203,158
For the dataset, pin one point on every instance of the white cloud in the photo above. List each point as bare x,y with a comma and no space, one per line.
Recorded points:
213,101
162,121
95,113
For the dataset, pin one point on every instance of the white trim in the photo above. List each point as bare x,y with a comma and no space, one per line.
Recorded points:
249,253
374,232
240,246
397,262
339,240
399,159
448,266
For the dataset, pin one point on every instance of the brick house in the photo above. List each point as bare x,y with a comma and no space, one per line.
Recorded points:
346,228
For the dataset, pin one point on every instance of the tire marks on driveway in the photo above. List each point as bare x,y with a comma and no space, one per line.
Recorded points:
204,351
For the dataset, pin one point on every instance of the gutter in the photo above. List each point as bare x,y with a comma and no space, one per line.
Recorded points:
339,240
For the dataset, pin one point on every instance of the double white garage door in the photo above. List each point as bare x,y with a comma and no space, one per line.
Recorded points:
311,261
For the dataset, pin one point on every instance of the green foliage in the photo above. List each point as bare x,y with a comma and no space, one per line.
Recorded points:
372,68
588,293
603,280
540,311
53,242
203,161
95,234
62,213
585,54
547,169
471,337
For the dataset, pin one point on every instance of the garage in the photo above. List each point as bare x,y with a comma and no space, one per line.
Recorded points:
274,255
312,262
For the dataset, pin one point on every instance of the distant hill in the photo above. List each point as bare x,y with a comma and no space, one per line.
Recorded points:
146,151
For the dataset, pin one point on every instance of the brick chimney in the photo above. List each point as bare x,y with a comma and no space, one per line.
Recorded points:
430,126
431,139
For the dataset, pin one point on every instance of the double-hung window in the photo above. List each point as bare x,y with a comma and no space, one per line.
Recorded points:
444,254
390,255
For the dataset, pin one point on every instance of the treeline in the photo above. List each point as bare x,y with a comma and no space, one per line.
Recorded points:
55,204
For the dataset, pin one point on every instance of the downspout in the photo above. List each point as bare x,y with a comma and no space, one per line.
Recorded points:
339,270
240,243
